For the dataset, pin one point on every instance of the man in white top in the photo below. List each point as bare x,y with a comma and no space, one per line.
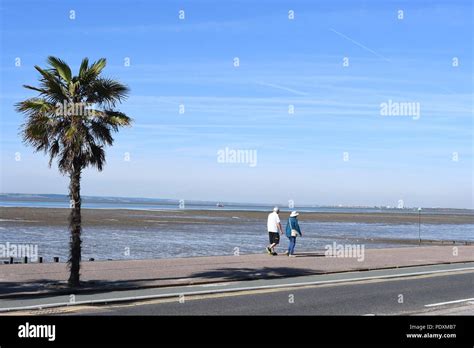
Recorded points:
274,231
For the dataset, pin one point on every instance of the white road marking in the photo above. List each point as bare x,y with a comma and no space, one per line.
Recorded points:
216,291
449,302
213,284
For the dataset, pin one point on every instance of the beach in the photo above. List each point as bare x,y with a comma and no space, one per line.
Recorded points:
112,234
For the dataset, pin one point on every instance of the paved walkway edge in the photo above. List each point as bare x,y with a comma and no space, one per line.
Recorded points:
178,294
102,289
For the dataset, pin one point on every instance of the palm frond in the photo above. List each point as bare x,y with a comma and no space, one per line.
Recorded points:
95,156
35,106
41,90
113,118
90,73
101,132
61,67
84,67
52,84
97,66
107,92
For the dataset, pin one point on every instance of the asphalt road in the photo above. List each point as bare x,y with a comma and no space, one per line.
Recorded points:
380,297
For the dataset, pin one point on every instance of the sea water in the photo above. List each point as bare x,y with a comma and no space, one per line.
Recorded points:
187,240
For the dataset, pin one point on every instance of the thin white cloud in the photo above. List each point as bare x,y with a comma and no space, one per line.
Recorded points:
273,85
361,45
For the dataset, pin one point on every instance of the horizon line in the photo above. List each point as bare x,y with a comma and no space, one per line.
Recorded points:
305,205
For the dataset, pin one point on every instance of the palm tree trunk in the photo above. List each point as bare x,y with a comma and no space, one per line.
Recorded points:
75,227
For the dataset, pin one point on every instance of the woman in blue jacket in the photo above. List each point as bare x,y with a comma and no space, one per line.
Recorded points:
292,231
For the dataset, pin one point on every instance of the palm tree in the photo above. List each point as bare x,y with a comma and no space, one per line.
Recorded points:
72,120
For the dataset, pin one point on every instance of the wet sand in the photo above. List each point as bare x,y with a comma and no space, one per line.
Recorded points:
145,218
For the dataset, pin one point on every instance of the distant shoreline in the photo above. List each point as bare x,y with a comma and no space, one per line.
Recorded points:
119,202
149,218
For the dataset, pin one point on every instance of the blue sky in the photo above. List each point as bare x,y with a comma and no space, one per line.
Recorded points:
282,62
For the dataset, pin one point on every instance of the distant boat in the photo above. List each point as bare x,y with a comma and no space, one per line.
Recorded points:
220,205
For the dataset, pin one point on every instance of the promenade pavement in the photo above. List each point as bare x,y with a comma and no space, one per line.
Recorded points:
49,278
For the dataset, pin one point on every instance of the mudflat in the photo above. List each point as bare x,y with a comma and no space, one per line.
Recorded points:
150,218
